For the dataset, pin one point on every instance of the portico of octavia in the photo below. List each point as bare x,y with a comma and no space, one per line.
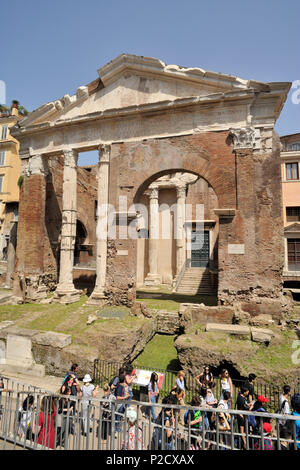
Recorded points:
166,135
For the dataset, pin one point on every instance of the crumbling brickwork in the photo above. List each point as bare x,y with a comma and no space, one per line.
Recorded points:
37,263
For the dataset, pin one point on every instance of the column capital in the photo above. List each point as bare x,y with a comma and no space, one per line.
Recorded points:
181,191
34,165
244,138
152,192
70,158
104,153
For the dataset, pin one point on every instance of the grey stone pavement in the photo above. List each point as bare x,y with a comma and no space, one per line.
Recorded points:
49,382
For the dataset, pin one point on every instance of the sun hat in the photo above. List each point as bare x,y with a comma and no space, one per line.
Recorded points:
262,399
87,378
267,427
131,414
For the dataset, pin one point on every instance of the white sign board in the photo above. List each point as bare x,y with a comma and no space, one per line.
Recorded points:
143,377
236,249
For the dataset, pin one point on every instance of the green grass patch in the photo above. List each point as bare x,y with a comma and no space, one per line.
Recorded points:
159,353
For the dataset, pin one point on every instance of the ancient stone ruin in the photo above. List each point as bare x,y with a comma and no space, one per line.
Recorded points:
165,135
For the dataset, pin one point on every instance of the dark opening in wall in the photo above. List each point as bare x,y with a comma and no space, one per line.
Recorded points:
235,375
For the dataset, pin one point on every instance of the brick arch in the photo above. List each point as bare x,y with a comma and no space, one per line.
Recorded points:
208,155
154,177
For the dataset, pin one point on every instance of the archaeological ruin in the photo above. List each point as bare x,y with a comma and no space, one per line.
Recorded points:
166,136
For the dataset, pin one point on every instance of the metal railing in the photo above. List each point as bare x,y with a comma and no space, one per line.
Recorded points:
69,423
185,266
104,371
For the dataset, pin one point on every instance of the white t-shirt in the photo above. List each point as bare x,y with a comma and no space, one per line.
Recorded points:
225,384
87,393
286,408
223,404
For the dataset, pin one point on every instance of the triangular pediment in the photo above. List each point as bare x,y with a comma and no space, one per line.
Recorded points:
292,228
130,80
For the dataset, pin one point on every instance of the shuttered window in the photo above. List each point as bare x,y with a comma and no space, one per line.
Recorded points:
294,254
2,158
4,132
292,171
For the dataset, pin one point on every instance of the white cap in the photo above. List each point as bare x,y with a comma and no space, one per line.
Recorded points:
87,378
131,414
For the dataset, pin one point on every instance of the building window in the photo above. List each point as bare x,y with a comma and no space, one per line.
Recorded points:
295,146
294,254
293,214
2,158
4,132
1,183
292,171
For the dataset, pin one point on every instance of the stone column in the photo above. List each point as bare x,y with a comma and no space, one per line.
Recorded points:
11,254
180,231
153,277
31,230
98,296
65,291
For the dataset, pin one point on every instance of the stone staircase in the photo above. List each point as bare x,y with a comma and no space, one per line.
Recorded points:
196,281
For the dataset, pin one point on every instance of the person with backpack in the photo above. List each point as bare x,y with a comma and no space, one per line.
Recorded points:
113,384
25,418
284,407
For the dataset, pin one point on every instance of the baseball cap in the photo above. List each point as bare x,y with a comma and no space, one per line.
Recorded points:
267,427
262,399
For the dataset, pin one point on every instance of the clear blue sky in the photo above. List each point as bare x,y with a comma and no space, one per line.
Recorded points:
49,48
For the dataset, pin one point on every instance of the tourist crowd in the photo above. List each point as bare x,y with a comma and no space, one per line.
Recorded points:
200,422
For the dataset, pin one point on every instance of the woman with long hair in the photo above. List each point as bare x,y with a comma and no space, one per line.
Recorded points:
65,414
226,383
25,418
180,393
206,378
153,392
46,420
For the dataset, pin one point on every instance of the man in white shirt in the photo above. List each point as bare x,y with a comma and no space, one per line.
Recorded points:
284,406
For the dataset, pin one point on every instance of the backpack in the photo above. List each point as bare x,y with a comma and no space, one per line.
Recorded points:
113,391
279,412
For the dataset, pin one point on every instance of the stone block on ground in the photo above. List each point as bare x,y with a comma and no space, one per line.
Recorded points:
195,314
140,309
262,320
91,319
260,337
36,370
16,330
263,331
51,338
240,330
6,324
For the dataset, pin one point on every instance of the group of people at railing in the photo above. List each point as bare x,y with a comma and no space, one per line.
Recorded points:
56,415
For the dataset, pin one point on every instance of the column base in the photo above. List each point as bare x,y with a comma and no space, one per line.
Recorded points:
66,294
152,280
97,298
